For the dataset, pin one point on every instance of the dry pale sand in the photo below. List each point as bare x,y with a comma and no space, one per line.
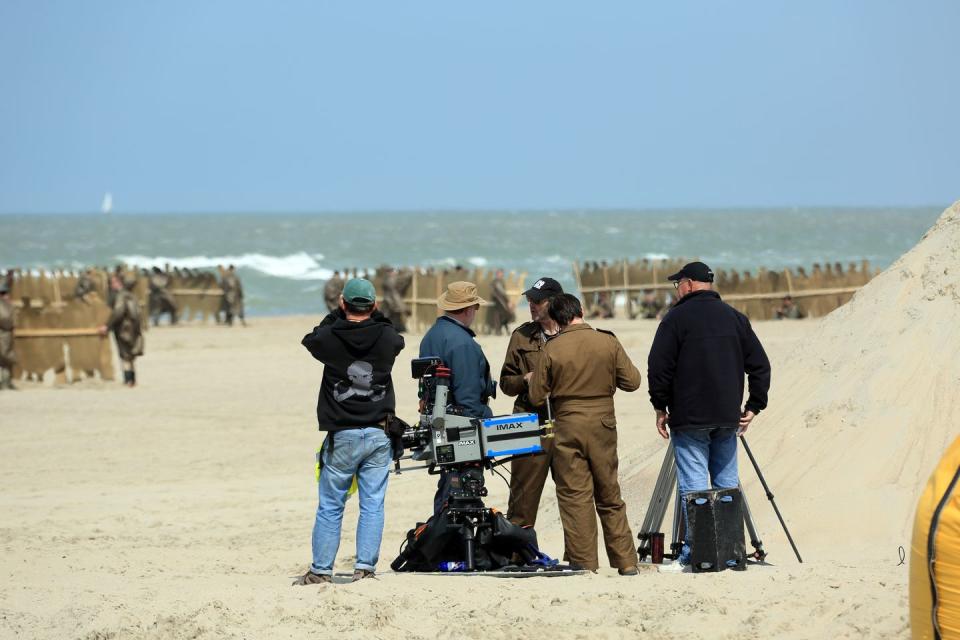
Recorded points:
183,508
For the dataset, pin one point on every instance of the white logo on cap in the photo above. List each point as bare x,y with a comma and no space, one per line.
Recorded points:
539,284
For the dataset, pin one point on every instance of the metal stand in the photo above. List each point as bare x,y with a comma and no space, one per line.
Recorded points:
666,487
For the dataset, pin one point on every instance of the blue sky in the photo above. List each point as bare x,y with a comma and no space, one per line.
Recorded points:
306,106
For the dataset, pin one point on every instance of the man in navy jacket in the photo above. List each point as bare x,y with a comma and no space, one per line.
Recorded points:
695,373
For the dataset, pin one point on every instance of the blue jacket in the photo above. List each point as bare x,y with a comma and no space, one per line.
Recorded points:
471,385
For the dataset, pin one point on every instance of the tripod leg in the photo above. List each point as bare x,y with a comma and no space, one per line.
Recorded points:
755,541
763,481
679,525
657,510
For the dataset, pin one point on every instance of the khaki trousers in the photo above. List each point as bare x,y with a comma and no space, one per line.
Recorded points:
527,477
585,472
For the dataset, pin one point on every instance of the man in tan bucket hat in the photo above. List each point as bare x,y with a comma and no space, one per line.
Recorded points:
452,340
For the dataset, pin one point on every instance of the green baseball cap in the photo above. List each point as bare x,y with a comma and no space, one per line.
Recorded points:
359,292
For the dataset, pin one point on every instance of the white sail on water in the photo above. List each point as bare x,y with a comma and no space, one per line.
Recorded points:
107,205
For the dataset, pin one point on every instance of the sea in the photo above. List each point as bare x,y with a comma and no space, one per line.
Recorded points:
283,259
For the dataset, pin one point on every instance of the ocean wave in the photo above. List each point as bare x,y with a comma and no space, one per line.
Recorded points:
296,266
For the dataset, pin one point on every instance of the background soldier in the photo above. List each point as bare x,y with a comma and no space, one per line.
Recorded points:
528,475
332,290
650,305
580,370
160,300
393,306
232,296
124,321
604,308
788,310
85,284
7,355
502,314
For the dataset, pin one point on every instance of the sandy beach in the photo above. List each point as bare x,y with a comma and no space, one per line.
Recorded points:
183,508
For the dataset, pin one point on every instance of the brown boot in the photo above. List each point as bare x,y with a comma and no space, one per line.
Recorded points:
362,574
312,578
629,571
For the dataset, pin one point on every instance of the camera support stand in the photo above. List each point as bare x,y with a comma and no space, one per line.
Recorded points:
666,487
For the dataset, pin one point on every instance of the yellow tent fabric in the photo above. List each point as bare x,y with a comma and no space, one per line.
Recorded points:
935,554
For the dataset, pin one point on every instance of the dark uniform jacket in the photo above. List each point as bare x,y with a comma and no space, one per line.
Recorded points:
357,386
581,369
7,355
697,363
125,322
523,355
470,383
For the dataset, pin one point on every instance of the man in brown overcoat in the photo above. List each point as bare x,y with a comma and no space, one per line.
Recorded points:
580,370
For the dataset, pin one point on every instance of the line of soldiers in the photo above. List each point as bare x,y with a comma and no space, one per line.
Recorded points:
394,285
160,298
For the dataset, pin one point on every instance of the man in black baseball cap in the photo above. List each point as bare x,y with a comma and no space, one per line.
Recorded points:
528,475
703,350
542,289
696,271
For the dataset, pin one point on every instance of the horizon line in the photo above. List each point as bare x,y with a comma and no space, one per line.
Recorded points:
408,211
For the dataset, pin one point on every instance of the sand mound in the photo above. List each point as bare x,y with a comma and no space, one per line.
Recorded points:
869,402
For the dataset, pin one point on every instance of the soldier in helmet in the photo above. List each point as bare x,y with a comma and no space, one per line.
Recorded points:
502,313
85,284
161,300
7,355
125,322
332,290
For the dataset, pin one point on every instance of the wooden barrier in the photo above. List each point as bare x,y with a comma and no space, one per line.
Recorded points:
823,290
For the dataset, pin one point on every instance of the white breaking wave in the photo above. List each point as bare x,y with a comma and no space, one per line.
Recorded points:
296,266
656,256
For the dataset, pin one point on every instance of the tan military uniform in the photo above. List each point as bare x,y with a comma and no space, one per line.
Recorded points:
501,315
85,285
331,292
527,475
160,300
124,321
581,369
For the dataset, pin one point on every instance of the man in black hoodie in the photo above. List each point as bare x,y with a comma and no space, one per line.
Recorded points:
702,349
357,346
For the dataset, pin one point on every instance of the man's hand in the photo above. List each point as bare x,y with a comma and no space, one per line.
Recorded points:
527,376
663,421
102,329
745,419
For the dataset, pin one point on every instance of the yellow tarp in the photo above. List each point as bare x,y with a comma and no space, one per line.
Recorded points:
935,586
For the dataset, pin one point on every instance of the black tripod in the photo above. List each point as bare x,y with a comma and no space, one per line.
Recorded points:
667,485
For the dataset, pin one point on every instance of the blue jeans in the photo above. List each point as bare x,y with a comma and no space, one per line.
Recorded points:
365,453
702,455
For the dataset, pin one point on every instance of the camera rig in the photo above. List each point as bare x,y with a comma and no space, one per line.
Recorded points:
462,447
445,438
